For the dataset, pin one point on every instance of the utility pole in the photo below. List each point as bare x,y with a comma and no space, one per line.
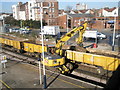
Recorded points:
113,43
44,73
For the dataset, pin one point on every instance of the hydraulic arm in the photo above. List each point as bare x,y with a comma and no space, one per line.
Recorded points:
70,34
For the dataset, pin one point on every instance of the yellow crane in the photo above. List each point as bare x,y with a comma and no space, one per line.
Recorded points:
67,66
81,29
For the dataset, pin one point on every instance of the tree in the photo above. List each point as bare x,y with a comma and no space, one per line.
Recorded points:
10,20
32,24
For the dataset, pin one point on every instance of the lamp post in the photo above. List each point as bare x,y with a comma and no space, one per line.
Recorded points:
113,43
44,77
44,74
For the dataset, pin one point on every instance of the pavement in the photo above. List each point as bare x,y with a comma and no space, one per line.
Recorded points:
23,75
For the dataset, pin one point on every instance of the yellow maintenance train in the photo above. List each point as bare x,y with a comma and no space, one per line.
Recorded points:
32,49
64,60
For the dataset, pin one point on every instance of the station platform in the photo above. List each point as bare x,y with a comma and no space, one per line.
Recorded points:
22,75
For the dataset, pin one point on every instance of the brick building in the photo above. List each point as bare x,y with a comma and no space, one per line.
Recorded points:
104,23
49,13
72,20
32,10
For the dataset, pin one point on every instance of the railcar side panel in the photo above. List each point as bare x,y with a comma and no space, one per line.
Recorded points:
16,44
78,57
108,63
1,40
69,55
100,61
29,47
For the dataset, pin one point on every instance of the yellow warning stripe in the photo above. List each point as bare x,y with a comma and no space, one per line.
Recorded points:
6,85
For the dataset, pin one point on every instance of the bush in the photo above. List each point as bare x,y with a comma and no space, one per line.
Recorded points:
32,24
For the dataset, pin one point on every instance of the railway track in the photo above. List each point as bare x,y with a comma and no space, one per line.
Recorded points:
77,74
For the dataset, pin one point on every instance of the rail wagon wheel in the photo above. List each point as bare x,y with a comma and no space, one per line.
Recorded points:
58,70
20,51
69,66
101,71
12,49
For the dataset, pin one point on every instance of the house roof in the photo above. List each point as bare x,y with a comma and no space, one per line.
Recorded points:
76,11
81,15
5,13
83,11
110,9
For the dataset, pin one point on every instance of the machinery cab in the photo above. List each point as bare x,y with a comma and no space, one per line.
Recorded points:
52,59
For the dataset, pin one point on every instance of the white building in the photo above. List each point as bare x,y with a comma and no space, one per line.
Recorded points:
81,6
110,12
3,15
19,11
15,10
22,15
31,10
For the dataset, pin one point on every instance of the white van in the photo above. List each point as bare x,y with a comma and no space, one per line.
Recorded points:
94,34
51,30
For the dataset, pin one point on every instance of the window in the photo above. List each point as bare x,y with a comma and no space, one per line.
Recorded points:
52,15
49,21
53,21
45,12
49,9
53,4
49,4
31,11
53,10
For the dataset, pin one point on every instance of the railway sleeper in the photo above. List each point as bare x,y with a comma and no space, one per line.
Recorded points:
94,71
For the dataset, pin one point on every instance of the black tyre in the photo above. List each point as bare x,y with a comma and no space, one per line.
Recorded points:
69,66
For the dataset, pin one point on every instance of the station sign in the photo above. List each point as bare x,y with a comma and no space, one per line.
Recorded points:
3,59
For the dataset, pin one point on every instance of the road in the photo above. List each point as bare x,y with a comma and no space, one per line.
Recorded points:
109,33
22,75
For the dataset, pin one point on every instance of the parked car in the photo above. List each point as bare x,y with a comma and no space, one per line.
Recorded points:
14,30
117,36
10,30
24,31
101,35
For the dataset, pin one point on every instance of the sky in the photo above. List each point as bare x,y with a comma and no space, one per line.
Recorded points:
5,5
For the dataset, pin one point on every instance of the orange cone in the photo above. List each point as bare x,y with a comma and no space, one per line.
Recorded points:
94,45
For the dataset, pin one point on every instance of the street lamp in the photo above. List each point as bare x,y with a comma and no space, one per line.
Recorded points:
113,43
41,17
